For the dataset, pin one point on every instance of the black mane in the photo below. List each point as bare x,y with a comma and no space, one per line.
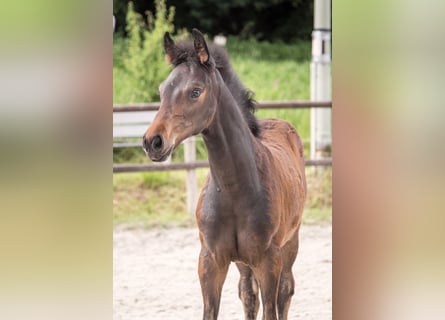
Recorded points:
185,52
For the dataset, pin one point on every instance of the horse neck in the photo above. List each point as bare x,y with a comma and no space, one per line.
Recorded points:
231,147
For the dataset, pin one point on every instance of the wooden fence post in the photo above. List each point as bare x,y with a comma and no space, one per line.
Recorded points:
191,183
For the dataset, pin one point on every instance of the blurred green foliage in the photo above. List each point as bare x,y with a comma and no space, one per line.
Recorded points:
143,58
274,71
285,20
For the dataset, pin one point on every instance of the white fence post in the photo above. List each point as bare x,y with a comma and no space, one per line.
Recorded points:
191,183
321,137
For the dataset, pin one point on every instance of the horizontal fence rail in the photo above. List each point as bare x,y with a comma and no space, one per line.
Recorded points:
154,106
192,165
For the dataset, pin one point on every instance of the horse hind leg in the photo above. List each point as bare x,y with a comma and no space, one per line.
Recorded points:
285,293
287,282
248,292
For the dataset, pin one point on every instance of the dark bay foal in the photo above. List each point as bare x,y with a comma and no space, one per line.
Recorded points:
250,208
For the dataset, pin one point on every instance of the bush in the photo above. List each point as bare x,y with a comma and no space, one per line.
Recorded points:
144,59
285,20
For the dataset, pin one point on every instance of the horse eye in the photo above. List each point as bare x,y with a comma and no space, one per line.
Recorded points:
195,93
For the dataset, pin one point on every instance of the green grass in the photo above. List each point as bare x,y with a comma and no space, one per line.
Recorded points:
152,199
317,216
275,71
278,80
158,198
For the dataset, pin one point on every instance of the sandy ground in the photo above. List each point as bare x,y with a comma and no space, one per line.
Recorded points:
155,276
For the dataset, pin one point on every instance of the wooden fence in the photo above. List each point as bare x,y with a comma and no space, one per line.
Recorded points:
154,106
134,125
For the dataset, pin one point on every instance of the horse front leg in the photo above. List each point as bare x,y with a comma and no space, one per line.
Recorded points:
211,277
268,272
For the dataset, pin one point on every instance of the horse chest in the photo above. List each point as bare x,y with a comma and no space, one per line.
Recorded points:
235,229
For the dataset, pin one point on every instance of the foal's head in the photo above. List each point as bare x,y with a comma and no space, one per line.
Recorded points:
188,99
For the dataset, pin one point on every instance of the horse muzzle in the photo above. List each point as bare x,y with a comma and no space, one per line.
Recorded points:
156,148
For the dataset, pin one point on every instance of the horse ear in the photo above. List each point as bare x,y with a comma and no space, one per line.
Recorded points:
200,46
169,48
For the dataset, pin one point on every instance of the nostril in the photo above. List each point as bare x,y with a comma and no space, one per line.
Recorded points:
157,142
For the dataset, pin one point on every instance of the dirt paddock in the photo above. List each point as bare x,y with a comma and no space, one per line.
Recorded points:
155,276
